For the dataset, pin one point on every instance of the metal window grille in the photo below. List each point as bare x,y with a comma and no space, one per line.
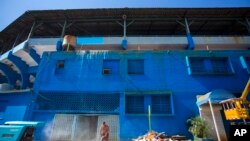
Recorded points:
134,104
161,104
79,102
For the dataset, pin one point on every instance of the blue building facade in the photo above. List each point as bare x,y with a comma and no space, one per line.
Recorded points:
87,86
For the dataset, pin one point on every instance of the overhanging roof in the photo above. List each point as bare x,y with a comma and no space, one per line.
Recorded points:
215,96
143,21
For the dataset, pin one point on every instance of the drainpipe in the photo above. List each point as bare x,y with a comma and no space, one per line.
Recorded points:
189,36
124,41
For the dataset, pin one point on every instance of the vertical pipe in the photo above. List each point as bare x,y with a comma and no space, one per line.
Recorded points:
149,118
215,124
124,26
189,36
31,30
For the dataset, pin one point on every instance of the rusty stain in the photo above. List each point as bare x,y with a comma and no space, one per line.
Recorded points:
237,39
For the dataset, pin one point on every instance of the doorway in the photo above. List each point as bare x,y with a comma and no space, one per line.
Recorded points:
77,127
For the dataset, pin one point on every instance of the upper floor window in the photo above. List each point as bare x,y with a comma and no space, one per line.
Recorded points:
135,66
209,65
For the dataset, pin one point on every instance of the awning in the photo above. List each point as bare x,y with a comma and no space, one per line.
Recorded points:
215,96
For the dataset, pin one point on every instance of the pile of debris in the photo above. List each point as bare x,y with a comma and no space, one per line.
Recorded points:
154,136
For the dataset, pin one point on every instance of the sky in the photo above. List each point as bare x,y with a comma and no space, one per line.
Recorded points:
12,9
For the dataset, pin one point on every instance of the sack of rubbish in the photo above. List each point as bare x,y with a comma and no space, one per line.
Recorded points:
154,136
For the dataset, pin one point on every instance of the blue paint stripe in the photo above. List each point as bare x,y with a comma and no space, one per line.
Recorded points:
90,40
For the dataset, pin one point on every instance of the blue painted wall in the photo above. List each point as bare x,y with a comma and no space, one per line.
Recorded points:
163,71
15,106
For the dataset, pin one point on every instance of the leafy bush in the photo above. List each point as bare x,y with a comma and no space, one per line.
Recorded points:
198,127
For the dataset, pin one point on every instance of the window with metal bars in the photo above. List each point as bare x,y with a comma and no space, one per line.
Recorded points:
245,62
134,104
79,102
161,104
111,66
136,66
209,65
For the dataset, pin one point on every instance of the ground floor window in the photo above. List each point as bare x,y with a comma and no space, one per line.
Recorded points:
160,104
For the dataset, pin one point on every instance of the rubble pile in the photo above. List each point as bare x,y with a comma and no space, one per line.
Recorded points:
154,136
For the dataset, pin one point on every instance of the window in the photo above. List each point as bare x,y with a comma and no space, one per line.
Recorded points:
161,104
134,104
59,66
209,65
111,67
136,66
245,62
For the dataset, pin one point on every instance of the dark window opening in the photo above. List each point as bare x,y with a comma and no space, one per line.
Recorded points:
59,67
106,71
111,67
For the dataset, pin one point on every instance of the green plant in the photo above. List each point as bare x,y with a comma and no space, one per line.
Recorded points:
198,127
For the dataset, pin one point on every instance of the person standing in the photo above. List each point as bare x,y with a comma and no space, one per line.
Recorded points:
104,132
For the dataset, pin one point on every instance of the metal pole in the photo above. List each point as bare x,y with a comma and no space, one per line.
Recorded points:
31,30
215,124
124,26
16,40
187,26
149,118
63,30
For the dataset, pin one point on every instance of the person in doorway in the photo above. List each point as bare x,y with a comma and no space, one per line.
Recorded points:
104,132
